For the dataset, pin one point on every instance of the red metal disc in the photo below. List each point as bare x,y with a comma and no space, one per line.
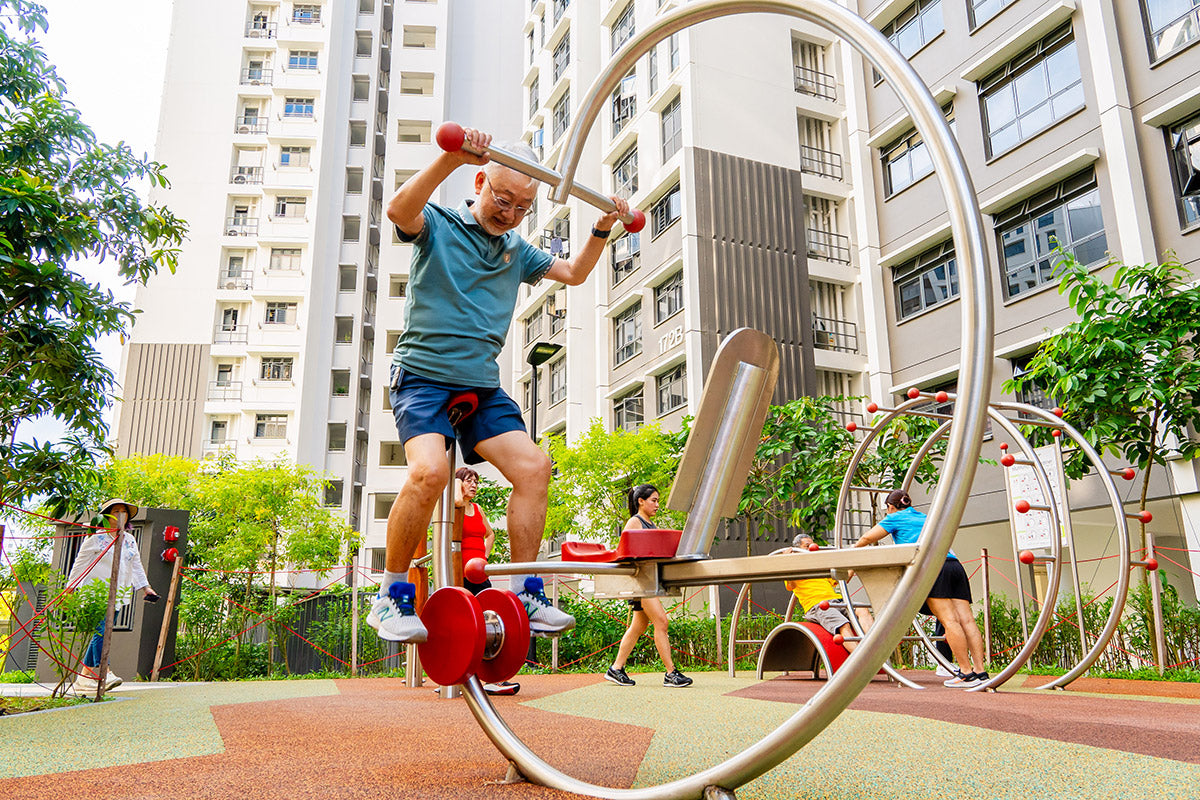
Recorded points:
511,658
456,636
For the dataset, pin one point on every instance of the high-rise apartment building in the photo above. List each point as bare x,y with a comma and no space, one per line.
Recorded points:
785,189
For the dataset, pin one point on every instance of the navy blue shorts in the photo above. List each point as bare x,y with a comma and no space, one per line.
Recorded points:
419,406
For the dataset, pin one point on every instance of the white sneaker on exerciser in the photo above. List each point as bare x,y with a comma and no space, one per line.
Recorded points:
393,616
942,672
543,617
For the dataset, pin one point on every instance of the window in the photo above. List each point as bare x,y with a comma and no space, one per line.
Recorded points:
983,10
532,50
1184,140
422,36
298,107
533,326
224,374
347,278
366,6
218,432
626,254
306,14
672,389
558,381
358,134
560,7
383,505
354,180
562,57
362,44
284,258
625,173
413,131
350,228
361,86
336,436
270,426
668,298
302,59
1030,93
294,156
340,383
926,281
627,334
391,454
1173,25
652,69
343,330
534,98
562,116
526,394
915,26
624,102
556,315
907,160
280,314
622,30
1067,215
1033,394
672,129
673,52
416,83
665,212
333,493
397,287
629,411
290,207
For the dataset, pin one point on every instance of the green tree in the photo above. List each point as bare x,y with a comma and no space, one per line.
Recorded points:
594,475
1126,372
63,196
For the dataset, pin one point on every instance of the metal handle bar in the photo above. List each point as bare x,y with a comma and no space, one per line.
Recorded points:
451,138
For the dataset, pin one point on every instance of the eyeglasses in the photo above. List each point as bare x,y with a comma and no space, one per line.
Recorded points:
503,204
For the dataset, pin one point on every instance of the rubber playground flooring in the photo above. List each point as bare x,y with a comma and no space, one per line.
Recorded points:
373,738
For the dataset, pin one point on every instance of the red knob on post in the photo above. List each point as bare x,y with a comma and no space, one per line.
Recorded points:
1152,565
1004,445
941,397
475,571
872,408
851,426
1145,516
1008,459
638,222
1127,473
1057,432
814,547
1026,557
824,605
838,638
914,393
1056,411
1022,506
450,137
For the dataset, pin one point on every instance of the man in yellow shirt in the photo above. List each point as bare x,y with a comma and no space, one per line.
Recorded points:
812,592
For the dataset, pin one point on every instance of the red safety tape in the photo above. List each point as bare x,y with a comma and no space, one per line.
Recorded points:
55,519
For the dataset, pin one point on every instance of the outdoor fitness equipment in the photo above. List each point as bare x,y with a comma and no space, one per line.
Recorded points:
450,137
725,435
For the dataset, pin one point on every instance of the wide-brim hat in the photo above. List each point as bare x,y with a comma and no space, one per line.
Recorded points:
116,501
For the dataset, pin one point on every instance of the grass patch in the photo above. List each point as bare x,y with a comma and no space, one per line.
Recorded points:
23,705
16,676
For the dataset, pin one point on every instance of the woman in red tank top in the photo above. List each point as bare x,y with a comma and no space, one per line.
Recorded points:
478,537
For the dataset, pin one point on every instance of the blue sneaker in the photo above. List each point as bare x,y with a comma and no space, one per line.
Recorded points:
544,618
393,616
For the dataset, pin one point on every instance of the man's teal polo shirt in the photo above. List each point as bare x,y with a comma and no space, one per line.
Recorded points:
462,290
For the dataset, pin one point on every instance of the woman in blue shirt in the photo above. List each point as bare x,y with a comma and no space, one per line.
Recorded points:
950,598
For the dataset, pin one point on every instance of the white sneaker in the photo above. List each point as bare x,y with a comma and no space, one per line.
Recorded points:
942,672
112,681
83,686
544,618
393,616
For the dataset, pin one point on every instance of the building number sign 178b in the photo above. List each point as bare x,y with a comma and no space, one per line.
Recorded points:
670,339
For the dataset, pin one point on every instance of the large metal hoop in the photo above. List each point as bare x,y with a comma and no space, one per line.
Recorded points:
975,369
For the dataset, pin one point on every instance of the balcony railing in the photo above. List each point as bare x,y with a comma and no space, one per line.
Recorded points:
241,226
828,246
262,30
257,77
214,446
241,279
246,125
227,390
825,163
835,334
818,84
246,175
231,334
556,245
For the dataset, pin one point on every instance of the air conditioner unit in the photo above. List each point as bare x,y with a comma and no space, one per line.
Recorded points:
232,232
230,284
255,82
239,178
243,129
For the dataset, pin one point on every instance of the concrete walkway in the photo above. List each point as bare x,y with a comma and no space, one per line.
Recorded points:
373,738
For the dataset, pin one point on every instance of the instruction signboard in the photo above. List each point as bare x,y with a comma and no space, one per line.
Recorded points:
1034,528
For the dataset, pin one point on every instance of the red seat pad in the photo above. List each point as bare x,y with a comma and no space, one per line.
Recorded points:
648,543
587,551
836,652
